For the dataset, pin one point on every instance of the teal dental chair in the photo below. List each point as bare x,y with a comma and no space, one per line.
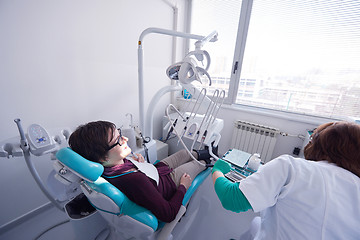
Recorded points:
127,219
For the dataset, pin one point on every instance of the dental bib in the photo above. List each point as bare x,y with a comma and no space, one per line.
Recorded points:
148,169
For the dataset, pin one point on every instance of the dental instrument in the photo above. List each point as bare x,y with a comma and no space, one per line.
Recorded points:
206,116
213,135
215,111
187,103
193,111
177,134
197,103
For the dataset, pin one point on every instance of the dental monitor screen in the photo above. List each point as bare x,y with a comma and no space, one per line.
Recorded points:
236,157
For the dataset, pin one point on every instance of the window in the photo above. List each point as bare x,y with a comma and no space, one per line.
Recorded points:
222,16
295,56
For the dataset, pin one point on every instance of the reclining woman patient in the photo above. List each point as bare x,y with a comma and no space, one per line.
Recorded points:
101,142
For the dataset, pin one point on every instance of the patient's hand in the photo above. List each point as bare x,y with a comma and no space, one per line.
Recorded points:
140,157
186,180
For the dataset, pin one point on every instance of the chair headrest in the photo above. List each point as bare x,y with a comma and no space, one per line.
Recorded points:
86,169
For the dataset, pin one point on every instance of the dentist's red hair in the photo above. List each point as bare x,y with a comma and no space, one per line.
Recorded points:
338,143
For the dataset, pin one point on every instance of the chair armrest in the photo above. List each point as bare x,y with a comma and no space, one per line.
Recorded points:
199,179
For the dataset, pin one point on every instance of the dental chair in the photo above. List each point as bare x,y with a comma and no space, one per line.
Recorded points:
127,219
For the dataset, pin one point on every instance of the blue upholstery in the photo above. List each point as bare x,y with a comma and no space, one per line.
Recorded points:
199,179
89,170
127,207
92,171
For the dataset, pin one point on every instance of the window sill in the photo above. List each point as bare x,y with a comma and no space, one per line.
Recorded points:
297,117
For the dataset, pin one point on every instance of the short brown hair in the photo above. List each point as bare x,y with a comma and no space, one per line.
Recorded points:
338,143
92,140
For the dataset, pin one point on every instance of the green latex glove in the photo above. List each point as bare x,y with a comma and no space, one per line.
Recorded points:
221,166
230,195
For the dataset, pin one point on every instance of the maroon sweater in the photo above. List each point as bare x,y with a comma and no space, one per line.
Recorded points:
163,200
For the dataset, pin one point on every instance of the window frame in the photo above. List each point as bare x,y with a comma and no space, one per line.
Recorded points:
243,26
238,57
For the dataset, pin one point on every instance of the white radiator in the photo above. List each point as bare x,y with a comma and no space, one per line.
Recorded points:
254,138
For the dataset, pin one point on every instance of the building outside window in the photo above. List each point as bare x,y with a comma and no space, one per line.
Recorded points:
285,55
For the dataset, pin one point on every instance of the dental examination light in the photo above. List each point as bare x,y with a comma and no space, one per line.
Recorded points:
188,70
194,72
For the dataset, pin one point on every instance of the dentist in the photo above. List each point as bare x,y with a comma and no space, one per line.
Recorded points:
313,198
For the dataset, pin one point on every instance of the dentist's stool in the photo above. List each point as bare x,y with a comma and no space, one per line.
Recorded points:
127,218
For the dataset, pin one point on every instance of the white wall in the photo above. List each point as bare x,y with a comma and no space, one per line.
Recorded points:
293,125
65,63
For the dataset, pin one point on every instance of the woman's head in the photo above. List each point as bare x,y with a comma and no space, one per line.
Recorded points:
99,142
338,143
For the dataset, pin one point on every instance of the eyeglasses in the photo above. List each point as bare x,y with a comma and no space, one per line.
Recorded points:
119,140
311,133
316,131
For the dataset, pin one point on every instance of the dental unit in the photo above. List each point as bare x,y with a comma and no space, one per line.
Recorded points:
78,179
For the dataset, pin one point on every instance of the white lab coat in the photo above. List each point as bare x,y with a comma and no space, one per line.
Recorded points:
300,199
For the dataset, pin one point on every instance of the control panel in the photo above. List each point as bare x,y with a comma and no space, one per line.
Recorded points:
39,140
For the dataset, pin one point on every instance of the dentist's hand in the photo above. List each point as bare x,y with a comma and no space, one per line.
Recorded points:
186,180
221,166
